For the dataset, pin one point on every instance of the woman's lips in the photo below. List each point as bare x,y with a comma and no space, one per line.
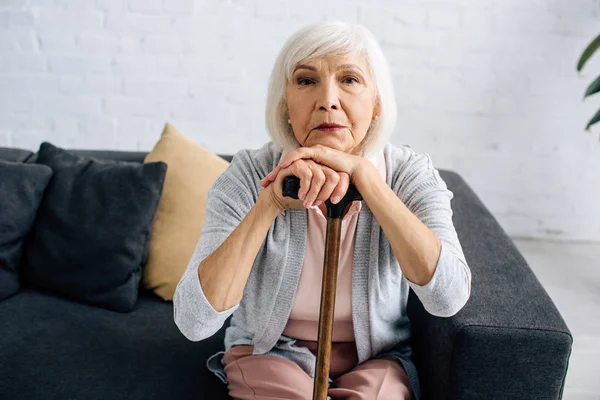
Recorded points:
330,129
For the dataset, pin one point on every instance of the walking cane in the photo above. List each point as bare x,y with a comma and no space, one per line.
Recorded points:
335,212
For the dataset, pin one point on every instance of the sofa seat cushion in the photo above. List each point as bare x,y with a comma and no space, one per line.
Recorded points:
53,347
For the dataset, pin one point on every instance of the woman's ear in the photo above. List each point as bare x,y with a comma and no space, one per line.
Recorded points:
377,110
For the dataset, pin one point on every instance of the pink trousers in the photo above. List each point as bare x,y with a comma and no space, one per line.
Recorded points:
268,377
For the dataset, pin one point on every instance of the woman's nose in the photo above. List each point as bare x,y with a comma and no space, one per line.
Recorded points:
328,97
328,106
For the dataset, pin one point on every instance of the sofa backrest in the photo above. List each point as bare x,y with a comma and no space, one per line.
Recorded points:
11,154
14,154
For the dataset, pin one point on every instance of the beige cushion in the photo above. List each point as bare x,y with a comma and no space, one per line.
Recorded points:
179,218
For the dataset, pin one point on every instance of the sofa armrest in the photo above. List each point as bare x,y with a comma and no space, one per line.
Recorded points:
509,341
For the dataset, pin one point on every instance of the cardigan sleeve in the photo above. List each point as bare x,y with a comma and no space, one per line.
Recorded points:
426,195
229,200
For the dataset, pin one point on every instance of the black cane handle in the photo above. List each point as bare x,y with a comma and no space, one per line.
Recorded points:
291,186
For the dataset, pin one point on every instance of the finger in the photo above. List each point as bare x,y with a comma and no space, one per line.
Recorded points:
324,155
332,179
273,174
342,187
266,182
277,189
298,154
317,182
304,173
270,178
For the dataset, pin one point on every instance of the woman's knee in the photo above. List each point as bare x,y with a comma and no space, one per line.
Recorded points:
266,376
381,379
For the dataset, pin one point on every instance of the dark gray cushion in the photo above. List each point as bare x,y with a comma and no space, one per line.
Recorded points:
13,154
91,237
21,190
54,348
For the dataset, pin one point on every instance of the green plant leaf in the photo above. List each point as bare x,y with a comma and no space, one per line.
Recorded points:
594,87
588,52
594,119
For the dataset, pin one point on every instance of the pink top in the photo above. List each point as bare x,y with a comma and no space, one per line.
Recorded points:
303,322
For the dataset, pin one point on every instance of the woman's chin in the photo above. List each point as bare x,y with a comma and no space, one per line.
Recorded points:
332,142
335,146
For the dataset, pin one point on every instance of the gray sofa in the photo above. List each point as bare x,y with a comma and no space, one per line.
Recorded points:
508,342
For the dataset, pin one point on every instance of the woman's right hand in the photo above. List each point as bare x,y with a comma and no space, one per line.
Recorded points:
317,184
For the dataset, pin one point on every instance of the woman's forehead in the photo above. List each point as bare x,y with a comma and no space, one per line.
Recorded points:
335,62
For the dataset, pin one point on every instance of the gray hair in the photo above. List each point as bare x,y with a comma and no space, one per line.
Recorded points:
322,39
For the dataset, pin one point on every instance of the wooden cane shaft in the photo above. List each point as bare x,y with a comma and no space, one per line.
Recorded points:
328,288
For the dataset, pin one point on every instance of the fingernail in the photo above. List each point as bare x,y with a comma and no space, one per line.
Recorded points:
309,204
335,199
318,203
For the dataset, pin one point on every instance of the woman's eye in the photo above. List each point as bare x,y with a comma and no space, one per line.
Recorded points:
351,78
301,80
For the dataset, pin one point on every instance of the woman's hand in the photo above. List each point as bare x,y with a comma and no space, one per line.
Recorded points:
317,184
346,165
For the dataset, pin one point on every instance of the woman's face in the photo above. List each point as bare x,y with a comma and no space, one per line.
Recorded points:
334,89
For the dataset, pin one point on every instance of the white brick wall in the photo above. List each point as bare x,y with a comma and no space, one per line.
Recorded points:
487,88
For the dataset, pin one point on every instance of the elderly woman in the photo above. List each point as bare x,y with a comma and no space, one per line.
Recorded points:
330,111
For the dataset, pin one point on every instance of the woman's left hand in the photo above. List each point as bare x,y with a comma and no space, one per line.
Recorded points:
335,159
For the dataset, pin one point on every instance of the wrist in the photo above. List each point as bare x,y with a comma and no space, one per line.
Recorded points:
365,173
268,204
